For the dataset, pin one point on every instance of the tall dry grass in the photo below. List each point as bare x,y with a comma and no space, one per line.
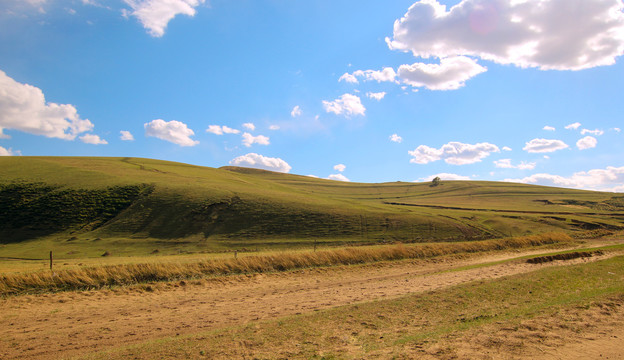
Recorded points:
128,274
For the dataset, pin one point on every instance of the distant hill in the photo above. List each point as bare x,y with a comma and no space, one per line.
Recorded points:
159,202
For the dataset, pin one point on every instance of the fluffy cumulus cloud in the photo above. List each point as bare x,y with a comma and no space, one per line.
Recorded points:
454,153
249,126
92,139
340,167
6,152
154,15
506,164
249,140
396,138
173,131
296,111
573,126
376,95
544,146
445,176
23,107
338,177
220,130
261,162
383,75
349,78
554,34
126,135
609,179
587,142
347,105
595,132
450,74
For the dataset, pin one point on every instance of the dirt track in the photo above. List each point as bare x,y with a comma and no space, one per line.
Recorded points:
67,324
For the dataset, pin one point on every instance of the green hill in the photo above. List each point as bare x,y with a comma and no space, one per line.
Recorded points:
132,205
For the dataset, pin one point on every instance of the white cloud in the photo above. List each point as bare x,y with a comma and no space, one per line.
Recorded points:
154,15
617,129
7,152
396,138
296,111
387,74
609,179
92,139
173,131
126,135
220,130
347,104
587,142
23,107
340,167
593,132
506,164
445,176
506,148
573,126
346,77
544,145
338,177
274,127
454,153
548,128
450,74
377,96
249,140
261,162
549,35
249,126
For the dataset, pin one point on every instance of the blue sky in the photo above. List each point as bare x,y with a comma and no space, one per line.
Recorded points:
367,91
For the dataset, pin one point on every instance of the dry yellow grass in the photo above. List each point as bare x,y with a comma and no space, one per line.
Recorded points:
128,274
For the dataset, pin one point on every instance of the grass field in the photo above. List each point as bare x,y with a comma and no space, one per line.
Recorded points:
548,302
85,207
190,247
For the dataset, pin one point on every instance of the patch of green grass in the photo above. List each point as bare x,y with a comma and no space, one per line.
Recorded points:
398,327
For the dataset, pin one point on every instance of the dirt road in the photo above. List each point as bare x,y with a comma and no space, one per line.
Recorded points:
66,324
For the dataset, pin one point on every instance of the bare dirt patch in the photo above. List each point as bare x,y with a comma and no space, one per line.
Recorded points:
66,324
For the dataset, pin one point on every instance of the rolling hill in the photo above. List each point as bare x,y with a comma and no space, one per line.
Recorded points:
134,205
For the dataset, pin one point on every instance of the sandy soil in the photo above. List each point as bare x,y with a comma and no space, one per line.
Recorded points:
61,325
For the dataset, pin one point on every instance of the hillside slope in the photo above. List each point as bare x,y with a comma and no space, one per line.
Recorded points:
158,204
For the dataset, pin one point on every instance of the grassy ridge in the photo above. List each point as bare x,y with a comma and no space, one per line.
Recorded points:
128,274
198,209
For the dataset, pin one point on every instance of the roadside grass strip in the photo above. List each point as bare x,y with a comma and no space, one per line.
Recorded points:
86,278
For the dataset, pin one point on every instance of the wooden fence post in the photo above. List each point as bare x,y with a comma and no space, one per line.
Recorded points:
50,260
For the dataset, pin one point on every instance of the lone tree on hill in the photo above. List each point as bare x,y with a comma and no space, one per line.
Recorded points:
436,181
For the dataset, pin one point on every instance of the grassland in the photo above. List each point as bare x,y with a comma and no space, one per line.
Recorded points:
504,318
84,207
187,246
